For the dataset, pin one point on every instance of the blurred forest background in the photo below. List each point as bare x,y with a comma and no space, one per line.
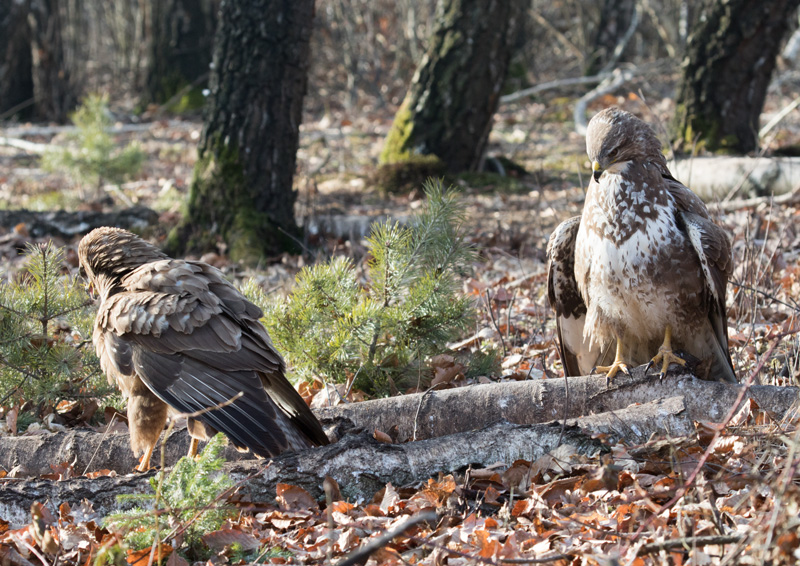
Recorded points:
280,140
274,134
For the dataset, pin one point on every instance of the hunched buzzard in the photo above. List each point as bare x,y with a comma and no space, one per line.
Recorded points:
174,334
643,270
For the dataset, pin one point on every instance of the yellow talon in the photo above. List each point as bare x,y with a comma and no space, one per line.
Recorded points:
665,355
144,465
614,368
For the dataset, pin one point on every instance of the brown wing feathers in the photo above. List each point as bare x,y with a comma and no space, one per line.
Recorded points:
194,341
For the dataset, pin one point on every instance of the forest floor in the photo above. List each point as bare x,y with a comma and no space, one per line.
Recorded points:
567,515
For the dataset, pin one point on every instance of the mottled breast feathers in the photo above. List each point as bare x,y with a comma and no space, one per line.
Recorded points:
642,258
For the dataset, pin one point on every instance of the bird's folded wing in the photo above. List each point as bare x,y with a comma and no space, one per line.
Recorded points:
566,300
244,411
712,247
196,343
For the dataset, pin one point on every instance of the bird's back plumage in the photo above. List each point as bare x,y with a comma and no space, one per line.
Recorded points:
196,343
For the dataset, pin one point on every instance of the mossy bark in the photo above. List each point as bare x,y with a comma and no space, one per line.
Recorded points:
730,57
15,59
455,92
241,194
180,45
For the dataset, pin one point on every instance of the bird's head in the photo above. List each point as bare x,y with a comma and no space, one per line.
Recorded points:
107,254
615,137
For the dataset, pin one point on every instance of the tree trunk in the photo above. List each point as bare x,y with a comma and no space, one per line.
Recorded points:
730,58
448,110
242,191
53,92
16,79
615,19
181,45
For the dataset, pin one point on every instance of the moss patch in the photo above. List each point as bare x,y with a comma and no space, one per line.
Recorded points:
403,177
698,133
395,148
189,102
221,208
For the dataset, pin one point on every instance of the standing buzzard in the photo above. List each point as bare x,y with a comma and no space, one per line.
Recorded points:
175,334
643,270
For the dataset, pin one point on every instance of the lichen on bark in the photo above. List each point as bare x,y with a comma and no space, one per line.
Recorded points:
731,54
241,195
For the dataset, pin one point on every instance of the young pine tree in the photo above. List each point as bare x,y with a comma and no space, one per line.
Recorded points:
45,334
383,330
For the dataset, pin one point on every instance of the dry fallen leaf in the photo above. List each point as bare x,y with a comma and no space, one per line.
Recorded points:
381,436
292,498
142,557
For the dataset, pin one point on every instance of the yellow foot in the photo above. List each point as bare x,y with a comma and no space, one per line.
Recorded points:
144,464
664,357
612,370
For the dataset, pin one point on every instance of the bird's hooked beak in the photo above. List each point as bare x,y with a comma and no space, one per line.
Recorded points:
597,170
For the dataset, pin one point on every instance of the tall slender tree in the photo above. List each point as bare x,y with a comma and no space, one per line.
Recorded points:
180,46
55,94
242,192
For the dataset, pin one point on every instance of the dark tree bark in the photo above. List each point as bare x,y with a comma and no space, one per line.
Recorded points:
615,20
242,189
730,57
181,44
53,92
448,110
16,80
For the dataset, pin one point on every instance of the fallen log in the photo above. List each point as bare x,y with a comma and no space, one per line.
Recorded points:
68,225
362,466
436,413
427,415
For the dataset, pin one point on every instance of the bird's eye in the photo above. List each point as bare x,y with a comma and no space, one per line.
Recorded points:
613,153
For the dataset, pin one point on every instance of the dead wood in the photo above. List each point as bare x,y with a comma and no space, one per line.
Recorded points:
429,415
362,466
437,413
87,451
68,225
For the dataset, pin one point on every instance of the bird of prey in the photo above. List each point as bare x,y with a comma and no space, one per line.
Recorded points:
641,274
176,336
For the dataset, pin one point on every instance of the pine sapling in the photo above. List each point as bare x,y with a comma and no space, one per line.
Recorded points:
382,329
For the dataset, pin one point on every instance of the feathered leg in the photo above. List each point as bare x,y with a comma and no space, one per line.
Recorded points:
147,415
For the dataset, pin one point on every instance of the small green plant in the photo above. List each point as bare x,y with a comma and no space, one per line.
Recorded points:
92,157
45,329
184,504
381,329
